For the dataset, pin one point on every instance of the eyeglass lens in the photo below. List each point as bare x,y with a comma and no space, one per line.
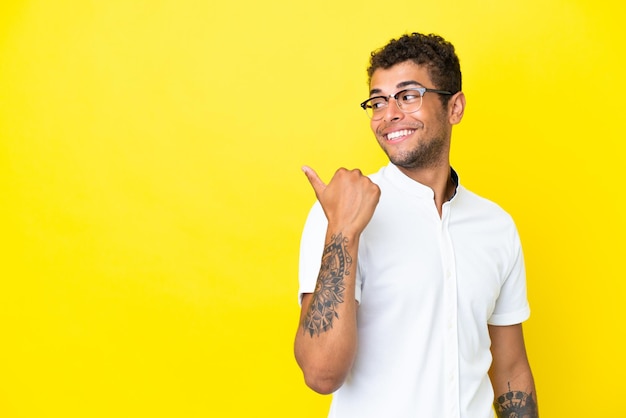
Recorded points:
408,101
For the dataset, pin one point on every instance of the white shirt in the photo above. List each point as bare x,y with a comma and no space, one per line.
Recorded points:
428,286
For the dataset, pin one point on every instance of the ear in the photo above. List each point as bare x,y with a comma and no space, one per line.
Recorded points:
456,108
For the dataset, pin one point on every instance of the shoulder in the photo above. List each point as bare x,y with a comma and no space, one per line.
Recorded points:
479,214
473,202
315,218
377,177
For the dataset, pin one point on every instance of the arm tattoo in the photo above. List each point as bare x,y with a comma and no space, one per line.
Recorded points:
330,287
516,404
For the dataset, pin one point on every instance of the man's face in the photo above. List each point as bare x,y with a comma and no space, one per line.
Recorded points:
411,140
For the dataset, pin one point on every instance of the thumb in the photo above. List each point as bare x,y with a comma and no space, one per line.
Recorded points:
318,185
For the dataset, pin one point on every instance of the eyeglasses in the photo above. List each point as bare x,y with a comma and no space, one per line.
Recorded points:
408,101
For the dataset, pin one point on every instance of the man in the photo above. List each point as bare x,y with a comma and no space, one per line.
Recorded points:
416,308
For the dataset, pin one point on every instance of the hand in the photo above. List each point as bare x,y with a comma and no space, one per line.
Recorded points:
349,199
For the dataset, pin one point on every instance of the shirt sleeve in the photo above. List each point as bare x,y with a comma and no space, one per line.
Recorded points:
512,304
311,249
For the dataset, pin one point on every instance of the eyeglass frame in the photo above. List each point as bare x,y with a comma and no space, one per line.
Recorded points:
421,90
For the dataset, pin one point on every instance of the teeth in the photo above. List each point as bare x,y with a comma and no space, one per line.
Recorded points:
397,134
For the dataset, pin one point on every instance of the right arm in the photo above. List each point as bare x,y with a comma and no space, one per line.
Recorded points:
326,339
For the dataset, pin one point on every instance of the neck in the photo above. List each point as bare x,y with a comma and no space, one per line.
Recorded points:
439,179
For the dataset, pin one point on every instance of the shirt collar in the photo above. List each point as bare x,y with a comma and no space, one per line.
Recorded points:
412,187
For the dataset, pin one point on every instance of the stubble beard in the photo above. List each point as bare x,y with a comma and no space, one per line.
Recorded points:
427,154
431,148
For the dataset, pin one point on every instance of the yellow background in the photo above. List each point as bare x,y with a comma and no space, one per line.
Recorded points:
152,199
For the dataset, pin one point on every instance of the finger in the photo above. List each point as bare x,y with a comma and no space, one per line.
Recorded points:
318,185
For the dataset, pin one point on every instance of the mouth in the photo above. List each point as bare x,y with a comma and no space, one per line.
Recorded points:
398,135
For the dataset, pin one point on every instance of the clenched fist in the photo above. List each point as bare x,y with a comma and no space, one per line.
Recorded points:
348,200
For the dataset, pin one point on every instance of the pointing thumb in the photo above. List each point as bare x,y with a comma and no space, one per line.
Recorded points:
318,185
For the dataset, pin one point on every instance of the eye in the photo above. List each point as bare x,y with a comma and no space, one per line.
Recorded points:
377,103
409,96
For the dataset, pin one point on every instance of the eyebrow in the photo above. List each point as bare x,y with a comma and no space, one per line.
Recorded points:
398,86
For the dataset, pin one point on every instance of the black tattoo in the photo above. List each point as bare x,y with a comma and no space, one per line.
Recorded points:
330,287
516,404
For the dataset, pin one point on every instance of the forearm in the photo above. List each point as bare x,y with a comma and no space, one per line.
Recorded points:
510,374
516,396
326,340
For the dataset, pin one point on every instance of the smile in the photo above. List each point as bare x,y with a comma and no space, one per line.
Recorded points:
398,134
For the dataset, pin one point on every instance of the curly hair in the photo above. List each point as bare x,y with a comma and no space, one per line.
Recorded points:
432,51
